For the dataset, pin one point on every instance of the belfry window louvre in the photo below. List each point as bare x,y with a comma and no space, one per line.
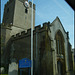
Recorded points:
26,10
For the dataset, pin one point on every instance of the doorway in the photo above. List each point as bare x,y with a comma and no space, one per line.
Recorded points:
60,68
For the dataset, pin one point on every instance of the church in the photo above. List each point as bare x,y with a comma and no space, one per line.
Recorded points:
51,47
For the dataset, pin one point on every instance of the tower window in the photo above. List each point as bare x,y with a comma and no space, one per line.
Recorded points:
7,10
26,11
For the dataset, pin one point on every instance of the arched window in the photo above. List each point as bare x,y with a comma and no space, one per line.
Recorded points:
59,42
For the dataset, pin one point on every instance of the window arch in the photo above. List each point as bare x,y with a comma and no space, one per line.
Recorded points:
59,42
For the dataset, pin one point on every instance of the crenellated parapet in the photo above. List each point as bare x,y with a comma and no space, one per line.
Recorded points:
30,3
8,2
38,29
22,34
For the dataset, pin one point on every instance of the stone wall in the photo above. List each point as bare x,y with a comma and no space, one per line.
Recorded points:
5,36
42,49
9,12
21,18
56,25
70,57
15,14
5,32
13,69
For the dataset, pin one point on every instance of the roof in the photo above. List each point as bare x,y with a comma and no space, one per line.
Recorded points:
57,18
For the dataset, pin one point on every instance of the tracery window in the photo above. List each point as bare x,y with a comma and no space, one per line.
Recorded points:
59,43
59,47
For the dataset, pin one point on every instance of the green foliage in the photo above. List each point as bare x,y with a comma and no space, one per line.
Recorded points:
3,74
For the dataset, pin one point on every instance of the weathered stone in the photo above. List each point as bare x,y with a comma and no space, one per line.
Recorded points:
13,69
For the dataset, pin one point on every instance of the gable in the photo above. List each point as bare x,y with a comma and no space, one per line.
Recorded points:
56,25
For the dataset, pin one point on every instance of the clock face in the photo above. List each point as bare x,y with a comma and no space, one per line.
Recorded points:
26,4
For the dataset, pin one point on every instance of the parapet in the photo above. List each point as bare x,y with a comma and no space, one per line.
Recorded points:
30,3
24,34
37,28
18,34
8,2
29,31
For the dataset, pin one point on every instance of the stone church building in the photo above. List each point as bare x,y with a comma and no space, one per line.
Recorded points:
51,47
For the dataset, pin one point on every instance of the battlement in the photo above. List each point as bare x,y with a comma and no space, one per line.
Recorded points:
30,3
8,2
38,29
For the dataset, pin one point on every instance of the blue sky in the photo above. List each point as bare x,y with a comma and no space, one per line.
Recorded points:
47,10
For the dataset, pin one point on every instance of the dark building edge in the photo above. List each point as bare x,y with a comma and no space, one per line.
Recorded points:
0,33
71,3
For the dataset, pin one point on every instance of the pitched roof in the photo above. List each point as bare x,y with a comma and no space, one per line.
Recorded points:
57,19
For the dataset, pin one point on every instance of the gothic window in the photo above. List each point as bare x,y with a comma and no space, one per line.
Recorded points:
59,47
59,42
60,68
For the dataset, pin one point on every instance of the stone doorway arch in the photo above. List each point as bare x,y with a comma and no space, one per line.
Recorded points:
59,67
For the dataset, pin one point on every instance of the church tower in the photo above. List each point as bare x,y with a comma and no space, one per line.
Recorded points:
17,15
